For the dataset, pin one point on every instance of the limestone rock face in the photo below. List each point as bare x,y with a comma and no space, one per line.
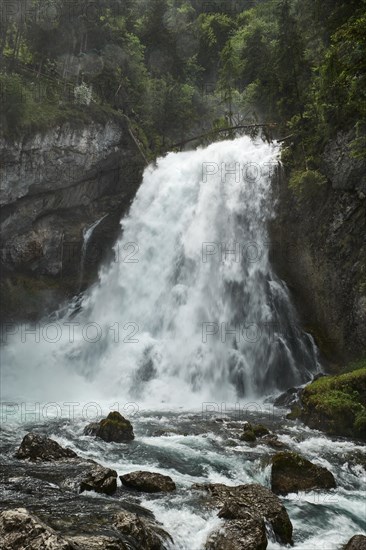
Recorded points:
148,482
36,447
113,428
19,530
54,186
291,473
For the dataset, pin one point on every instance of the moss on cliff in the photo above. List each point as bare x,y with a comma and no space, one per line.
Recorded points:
337,404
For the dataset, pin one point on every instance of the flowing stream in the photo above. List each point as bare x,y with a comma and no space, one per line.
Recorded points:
188,325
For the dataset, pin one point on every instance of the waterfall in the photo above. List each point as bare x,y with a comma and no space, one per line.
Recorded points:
190,310
87,234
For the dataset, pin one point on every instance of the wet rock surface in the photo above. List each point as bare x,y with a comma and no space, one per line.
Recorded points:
358,542
37,447
241,531
148,535
113,428
100,480
292,472
20,530
148,482
255,499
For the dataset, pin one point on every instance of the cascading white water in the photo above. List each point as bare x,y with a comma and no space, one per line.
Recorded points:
179,316
87,235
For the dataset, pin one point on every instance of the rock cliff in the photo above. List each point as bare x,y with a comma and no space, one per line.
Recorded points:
319,248
59,188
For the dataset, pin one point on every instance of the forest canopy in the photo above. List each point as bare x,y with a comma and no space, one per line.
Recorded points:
177,67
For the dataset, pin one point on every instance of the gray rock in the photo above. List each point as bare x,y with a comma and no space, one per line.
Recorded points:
100,480
358,542
342,170
148,482
259,501
245,532
20,530
54,185
145,533
37,447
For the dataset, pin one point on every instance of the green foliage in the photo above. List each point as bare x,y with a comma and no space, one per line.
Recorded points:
171,65
303,179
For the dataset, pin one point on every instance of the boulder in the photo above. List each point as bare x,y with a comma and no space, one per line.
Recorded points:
252,431
358,542
260,430
291,473
259,501
241,531
20,530
248,436
246,533
113,428
37,447
148,482
100,480
146,534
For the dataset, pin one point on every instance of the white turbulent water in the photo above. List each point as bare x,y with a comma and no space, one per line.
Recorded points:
150,312
158,292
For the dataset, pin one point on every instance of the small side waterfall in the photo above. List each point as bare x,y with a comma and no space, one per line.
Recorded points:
87,234
191,309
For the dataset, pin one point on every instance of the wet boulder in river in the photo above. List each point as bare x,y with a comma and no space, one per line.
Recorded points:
35,448
259,501
19,529
358,542
146,534
113,428
148,482
292,472
100,480
242,530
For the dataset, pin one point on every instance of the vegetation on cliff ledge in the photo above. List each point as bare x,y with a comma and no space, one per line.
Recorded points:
336,404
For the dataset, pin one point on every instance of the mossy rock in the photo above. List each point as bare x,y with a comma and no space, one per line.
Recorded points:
336,404
248,436
292,472
260,430
113,428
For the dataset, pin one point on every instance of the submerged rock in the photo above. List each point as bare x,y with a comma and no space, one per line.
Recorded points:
100,480
255,499
358,542
260,430
272,441
36,447
20,530
292,473
146,534
148,482
113,428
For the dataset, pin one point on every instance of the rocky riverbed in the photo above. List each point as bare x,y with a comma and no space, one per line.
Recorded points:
188,480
